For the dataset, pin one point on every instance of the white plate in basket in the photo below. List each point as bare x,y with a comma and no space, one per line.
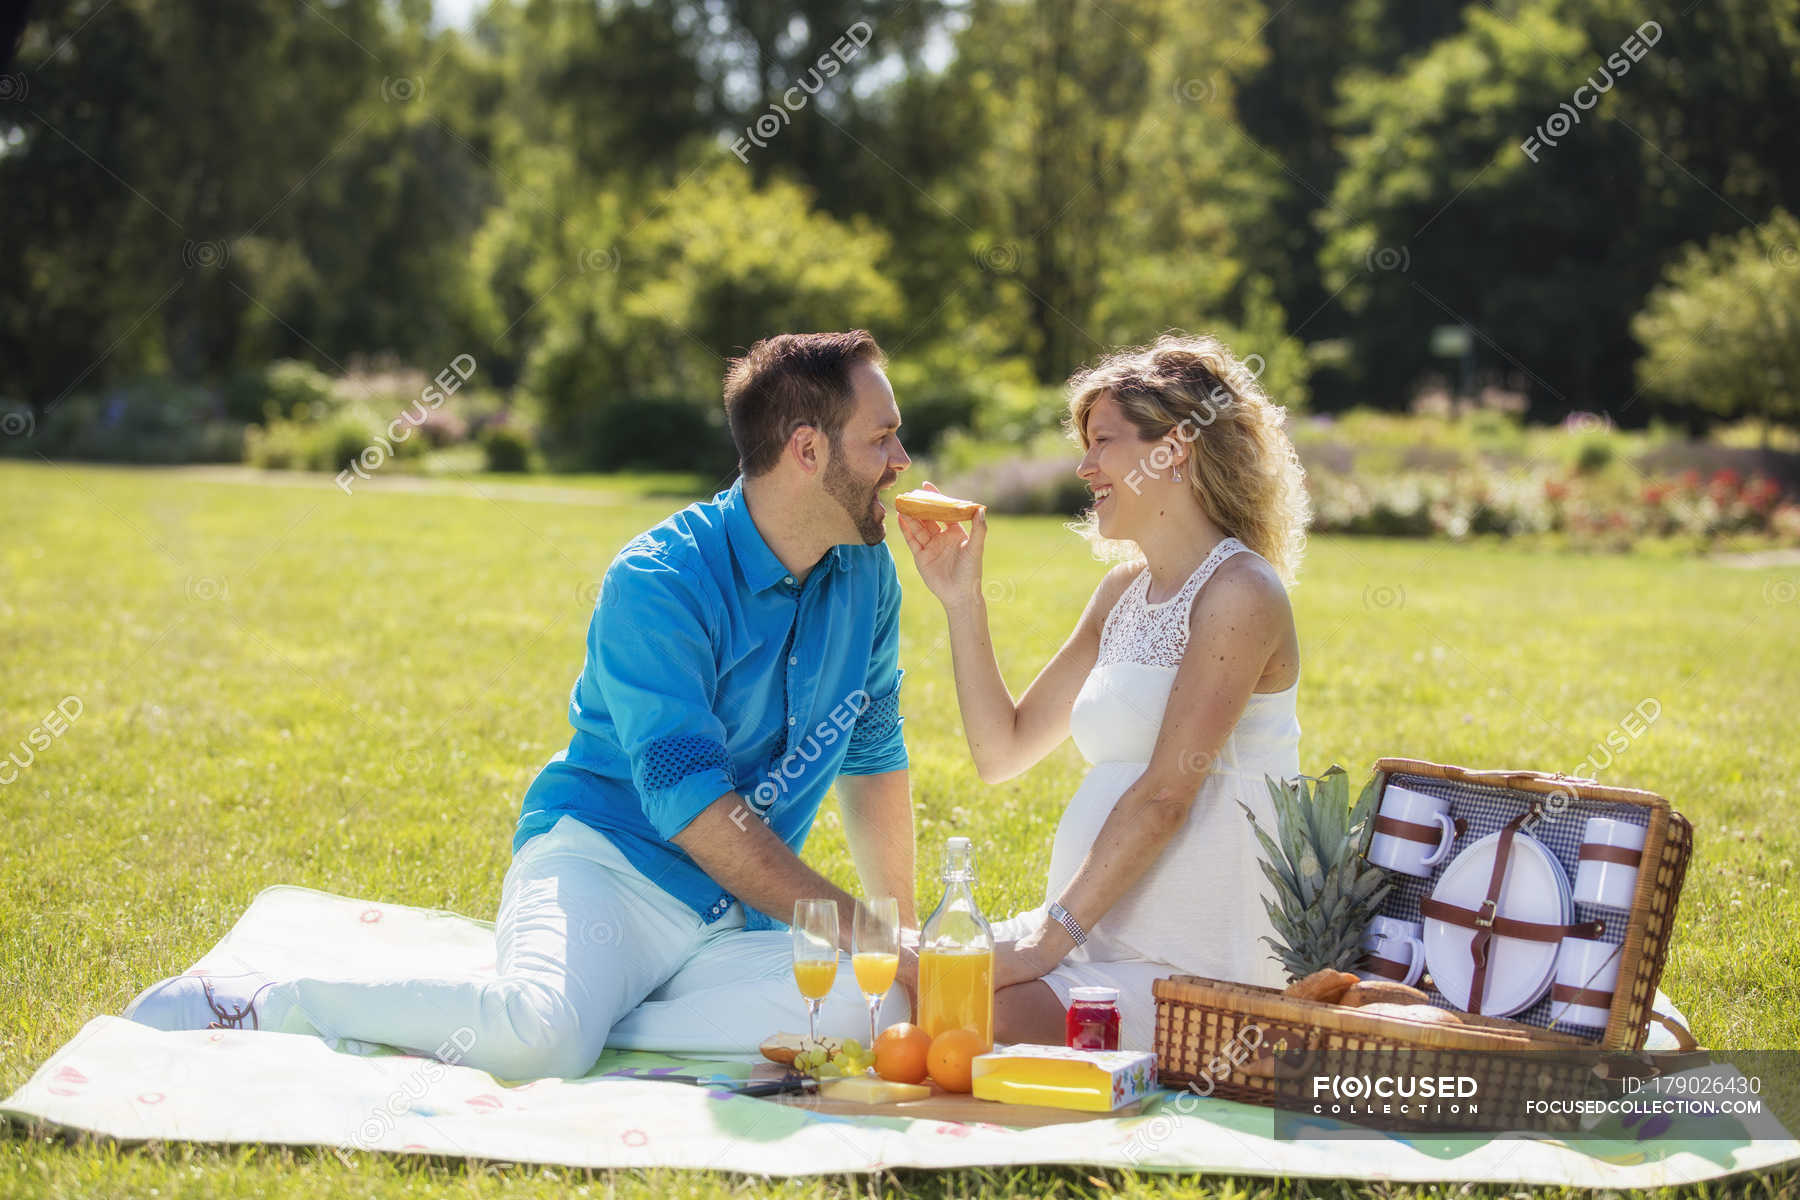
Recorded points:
1536,888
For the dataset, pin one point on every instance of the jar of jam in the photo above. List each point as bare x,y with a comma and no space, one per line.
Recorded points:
1093,1019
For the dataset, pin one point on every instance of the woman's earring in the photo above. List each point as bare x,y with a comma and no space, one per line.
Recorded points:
1178,477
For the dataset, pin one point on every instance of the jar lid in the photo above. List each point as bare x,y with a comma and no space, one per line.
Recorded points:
1094,995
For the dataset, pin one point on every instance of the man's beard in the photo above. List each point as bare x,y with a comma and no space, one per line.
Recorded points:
858,499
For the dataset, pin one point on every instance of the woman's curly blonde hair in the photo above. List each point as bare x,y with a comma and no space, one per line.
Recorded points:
1243,469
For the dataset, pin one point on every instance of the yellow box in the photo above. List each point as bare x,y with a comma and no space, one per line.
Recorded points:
1088,1080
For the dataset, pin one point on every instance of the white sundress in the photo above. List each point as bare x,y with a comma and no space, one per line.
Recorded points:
1198,909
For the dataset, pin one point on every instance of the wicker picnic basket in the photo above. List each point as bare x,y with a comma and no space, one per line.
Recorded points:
1225,1039
1203,1026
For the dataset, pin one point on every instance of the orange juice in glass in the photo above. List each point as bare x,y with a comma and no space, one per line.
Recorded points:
875,953
956,954
875,972
815,977
815,932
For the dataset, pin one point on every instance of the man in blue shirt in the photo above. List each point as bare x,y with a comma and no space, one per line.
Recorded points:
743,657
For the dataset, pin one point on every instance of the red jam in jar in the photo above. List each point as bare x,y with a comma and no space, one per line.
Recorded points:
1093,1020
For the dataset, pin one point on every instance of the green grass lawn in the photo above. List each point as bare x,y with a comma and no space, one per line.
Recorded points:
292,685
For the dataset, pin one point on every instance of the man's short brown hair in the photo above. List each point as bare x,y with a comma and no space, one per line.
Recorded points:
791,380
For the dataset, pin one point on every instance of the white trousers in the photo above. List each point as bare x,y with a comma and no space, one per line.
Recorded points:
588,954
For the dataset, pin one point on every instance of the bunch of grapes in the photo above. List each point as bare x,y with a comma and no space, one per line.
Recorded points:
823,1059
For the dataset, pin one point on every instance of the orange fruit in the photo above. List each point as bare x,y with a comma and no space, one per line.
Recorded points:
951,1058
900,1053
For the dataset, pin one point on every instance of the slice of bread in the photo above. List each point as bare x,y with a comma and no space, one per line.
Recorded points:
933,506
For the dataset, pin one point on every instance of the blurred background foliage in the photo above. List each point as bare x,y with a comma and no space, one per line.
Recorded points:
258,230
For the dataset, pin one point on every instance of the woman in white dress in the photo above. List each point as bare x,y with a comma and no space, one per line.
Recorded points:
1178,684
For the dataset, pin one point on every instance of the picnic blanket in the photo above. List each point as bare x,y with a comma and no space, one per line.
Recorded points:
123,1080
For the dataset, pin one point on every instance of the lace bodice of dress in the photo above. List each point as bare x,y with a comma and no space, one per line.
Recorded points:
1156,635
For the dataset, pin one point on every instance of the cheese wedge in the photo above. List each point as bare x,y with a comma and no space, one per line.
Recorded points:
863,1090
932,506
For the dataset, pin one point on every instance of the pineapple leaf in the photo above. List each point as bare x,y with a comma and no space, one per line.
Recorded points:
1275,861
1337,804
1309,798
1281,882
1291,828
1323,891
1362,826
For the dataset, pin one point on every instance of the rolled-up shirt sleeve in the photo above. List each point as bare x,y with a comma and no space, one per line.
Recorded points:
654,665
877,744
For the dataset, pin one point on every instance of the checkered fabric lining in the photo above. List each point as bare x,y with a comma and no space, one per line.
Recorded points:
667,761
876,721
1484,810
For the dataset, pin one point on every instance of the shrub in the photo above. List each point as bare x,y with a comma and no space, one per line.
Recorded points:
149,420
656,434
294,390
1593,455
277,446
337,443
506,447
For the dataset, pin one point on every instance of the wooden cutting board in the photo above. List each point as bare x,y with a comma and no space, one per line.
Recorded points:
952,1106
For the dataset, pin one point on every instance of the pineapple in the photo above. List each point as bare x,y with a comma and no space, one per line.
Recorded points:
1325,891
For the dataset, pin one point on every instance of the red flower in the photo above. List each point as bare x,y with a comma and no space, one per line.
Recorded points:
1761,493
1690,480
1555,489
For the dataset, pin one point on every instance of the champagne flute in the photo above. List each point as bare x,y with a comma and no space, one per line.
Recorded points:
875,953
815,954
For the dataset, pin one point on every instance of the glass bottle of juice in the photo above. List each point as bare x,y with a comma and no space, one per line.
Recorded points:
956,955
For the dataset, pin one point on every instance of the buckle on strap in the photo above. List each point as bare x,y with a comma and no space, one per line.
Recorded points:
1484,916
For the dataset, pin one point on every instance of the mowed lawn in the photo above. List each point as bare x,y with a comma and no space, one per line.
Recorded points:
285,684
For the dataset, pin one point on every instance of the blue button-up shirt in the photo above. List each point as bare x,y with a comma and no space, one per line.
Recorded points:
709,670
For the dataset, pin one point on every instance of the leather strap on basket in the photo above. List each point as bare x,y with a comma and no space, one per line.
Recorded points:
1387,968
1487,921
1564,993
1412,831
1684,1041
1600,852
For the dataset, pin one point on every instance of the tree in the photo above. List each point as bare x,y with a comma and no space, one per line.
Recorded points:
1287,108
634,346
192,190
1452,208
1108,193
1722,331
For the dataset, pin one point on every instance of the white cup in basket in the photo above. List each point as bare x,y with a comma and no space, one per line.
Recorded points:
1396,950
1587,973
1413,832
1611,852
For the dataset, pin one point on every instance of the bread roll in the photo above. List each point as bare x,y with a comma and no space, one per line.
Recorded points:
1380,991
1414,1012
1324,985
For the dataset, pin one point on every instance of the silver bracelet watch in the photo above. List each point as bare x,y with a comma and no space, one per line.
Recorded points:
1063,917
